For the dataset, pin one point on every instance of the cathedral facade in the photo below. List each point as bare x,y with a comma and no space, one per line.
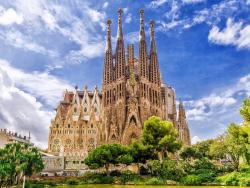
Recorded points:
132,91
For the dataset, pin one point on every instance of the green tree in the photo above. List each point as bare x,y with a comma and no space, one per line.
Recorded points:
19,160
245,111
141,153
107,154
188,153
233,144
161,135
203,149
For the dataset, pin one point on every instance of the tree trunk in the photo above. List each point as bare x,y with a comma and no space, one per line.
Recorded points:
138,168
160,156
107,169
24,181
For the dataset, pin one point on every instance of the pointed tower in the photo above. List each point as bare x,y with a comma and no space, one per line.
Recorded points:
184,133
108,65
154,66
143,60
120,62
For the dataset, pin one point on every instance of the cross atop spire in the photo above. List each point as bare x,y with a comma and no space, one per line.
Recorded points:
119,31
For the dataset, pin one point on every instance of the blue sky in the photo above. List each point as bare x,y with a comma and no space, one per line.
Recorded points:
49,46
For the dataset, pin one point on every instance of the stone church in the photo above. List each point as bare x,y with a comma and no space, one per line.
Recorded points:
132,91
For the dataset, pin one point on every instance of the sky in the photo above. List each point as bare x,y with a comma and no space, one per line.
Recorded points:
48,46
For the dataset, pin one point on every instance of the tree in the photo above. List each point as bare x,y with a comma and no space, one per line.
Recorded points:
141,153
188,153
203,149
245,111
18,160
161,135
232,145
107,154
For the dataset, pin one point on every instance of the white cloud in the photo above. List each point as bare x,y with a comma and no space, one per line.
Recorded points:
41,85
128,18
105,5
96,16
43,18
210,115
21,112
195,139
20,109
18,40
156,3
233,34
192,1
132,37
10,16
218,102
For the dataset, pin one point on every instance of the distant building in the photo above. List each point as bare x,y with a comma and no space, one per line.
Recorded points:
8,137
132,91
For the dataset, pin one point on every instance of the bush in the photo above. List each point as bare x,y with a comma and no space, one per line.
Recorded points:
72,182
129,176
171,170
229,179
191,180
235,178
154,181
97,178
115,173
206,175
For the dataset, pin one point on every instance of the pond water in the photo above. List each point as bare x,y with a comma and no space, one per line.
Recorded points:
140,186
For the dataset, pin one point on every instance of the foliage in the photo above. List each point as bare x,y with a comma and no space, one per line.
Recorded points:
154,181
191,180
235,178
155,167
18,160
245,111
129,176
161,135
171,170
233,144
188,153
140,152
168,169
107,154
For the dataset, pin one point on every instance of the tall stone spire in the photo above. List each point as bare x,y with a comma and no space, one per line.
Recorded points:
142,30
182,113
154,66
108,36
119,30
143,60
184,133
108,65
120,62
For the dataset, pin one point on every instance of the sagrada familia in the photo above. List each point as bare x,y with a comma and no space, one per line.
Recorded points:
132,91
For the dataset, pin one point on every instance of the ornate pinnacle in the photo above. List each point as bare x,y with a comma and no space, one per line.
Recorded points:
152,23
109,22
142,32
108,39
152,37
120,11
119,32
